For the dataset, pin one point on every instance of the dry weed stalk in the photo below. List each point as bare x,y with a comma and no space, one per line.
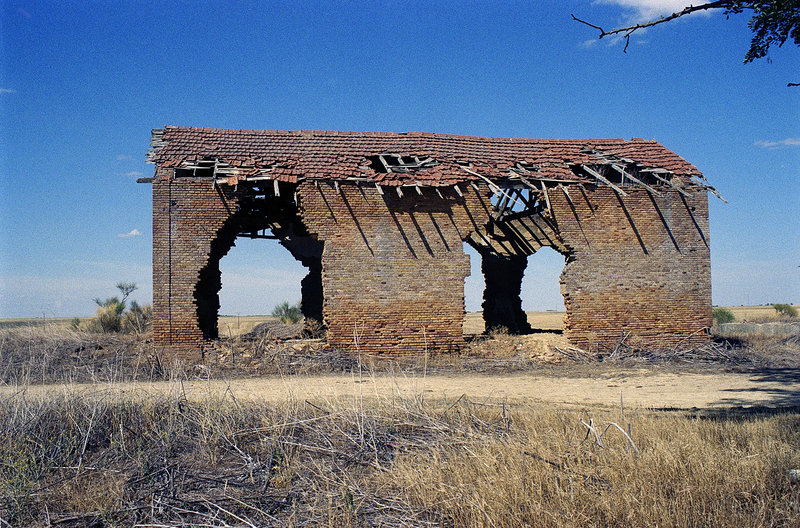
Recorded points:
80,460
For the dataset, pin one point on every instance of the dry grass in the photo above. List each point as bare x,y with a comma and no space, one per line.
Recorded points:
54,353
758,314
101,461
105,459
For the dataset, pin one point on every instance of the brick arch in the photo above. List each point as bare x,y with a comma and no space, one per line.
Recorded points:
209,281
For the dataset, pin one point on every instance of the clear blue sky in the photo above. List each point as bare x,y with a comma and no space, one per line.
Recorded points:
83,83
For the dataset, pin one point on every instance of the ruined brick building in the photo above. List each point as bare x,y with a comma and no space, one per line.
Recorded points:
380,219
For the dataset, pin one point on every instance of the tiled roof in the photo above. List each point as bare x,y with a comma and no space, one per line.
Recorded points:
326,155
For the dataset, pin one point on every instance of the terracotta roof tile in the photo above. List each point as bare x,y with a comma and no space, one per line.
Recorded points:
337,155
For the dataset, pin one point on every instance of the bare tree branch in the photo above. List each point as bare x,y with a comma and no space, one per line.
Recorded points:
774,22
628,30
686,11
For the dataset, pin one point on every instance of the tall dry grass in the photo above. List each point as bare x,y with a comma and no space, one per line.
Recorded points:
96,460
55,353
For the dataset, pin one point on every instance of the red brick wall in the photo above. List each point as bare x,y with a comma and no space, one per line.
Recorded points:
393,268
188,215
646,272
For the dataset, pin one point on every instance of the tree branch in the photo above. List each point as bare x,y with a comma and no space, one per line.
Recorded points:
686,11
774,22
628,30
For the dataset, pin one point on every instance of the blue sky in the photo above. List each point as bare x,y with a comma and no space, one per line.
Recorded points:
83,83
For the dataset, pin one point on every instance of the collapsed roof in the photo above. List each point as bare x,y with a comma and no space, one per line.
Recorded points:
413,158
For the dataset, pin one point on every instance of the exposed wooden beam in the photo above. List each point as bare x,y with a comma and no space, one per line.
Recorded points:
664,180
621,170
546,198
603,179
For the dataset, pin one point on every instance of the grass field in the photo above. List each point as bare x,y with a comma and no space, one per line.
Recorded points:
232,325
95,460
98,430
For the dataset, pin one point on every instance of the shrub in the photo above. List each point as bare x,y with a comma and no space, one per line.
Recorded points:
722,316
288,314
138,319
109,315
785,309
112,317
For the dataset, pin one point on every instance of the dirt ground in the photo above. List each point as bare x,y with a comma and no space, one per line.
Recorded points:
643,388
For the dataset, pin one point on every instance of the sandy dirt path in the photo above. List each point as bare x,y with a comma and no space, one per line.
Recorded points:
638,388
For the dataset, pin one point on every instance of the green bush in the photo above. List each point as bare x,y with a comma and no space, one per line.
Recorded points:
722,316
288,314
785,309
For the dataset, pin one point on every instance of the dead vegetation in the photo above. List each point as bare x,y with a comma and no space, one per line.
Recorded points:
95,460
55,353
111,458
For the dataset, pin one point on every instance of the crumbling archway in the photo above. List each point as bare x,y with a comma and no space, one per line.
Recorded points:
520,224
542,289
261,213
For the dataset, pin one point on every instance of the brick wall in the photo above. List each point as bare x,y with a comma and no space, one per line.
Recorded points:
638,264
189,237
393,268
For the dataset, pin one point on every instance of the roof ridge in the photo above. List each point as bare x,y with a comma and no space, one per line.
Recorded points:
379,133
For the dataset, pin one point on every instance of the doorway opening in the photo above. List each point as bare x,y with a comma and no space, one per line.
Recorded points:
257,275
542,298
263,221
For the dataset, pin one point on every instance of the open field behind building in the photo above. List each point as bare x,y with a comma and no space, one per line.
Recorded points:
232,325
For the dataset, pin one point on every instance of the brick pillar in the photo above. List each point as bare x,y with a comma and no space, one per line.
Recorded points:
502,306
189,237
393,266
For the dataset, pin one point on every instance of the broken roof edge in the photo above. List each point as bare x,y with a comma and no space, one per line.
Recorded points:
342,155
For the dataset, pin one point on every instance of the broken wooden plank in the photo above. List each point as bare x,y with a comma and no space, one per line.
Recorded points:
664,180
546,198
258,178
621,170
492,186
603,179
709,188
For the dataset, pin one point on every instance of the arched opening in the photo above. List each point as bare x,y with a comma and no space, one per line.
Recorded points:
276,260
541,290
257,275
473,293
474,283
